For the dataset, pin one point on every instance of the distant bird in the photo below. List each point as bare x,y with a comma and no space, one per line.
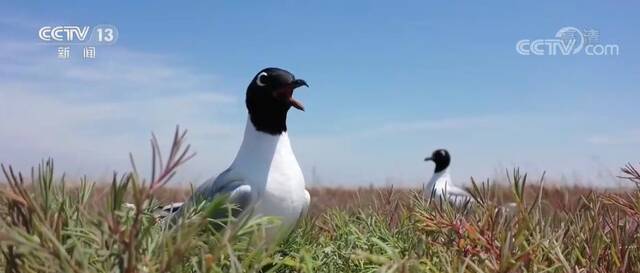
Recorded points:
159,211
440,187
167,210
265,177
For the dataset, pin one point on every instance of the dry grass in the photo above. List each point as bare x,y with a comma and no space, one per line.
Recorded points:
352,200
364,198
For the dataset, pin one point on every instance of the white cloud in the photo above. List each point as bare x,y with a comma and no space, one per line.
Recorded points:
89,114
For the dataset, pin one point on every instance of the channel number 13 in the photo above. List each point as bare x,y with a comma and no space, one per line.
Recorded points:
105,35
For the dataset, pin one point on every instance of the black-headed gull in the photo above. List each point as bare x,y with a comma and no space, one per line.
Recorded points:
265,177
440,187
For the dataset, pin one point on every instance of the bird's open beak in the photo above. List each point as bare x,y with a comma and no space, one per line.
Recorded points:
428,159
286,93
299,82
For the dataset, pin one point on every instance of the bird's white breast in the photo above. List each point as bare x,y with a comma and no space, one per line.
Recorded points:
438,184
267,163
440,187
284,194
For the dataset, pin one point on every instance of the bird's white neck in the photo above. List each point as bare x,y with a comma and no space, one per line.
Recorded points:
258,149
438,180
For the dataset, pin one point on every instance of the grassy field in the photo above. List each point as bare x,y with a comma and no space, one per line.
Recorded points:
47,225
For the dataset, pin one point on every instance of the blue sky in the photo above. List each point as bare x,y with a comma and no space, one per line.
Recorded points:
390,82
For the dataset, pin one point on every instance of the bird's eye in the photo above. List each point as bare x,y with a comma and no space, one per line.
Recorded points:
261,79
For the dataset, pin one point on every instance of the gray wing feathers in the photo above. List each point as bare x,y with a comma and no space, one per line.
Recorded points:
221,183
458,196
224,184
458,192
241,196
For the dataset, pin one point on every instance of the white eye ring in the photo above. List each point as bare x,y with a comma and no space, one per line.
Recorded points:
259,78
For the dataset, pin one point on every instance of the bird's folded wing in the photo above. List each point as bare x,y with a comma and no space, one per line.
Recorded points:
458,195
225,184
455,191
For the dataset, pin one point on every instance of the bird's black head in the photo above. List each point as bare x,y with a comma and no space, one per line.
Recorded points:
442,159
269,98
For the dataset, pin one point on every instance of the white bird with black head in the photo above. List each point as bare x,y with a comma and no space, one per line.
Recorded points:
265,177
440,187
